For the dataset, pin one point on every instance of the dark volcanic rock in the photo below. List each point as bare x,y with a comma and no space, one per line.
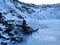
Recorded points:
3,43
16,39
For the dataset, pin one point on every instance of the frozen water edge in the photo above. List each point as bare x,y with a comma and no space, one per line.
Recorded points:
49,35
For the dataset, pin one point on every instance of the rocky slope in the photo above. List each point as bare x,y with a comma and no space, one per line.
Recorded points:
12,23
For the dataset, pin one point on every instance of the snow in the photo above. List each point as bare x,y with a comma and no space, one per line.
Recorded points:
47,20
45,36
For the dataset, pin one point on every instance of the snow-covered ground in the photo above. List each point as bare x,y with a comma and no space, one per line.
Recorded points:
48,33
44,17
